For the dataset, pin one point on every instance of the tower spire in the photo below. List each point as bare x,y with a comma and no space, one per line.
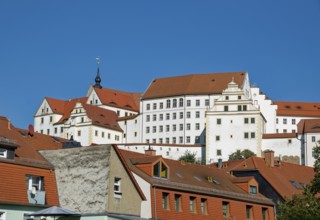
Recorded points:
98,79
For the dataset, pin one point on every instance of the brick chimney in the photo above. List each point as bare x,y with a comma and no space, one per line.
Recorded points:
150,151
269,157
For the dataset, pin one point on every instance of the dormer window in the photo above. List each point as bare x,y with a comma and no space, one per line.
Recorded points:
253,189
160,170
3,153
35,183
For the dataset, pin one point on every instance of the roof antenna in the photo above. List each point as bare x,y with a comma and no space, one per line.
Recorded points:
98,79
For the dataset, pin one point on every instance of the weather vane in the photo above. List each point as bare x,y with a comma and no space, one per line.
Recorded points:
98,60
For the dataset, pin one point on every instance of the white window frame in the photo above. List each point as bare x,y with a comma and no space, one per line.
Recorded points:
2,215
4,153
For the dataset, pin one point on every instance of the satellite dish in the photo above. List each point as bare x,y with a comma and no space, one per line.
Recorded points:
30,130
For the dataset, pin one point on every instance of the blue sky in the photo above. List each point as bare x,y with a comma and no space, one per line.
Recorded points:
48,48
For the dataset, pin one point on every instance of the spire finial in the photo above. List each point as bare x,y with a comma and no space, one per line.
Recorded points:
98,79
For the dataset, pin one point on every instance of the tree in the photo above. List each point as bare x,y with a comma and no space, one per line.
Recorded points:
307,205
241,155
189,157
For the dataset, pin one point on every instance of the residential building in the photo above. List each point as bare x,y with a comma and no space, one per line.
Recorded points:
28,181
176,190
277,180
96,182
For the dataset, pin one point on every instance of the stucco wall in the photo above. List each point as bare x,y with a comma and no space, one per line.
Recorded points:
82,177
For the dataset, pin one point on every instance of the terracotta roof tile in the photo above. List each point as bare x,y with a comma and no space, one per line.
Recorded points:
279,135
303,109
309,126
212,83
119,99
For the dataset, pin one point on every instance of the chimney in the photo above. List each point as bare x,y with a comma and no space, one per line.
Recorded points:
269,157
150,151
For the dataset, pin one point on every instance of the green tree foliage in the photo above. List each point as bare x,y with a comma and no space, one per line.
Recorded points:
188,157
241,155
307,205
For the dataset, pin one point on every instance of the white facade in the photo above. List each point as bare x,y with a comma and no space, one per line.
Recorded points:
307,142
288,124
173,152
233,123
146,209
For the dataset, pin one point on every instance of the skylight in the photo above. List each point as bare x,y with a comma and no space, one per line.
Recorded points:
22,133
197,178
55,139
296,185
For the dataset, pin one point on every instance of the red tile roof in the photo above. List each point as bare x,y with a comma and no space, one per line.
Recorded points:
27,161
191,178
198,84
279,135
279,176
303,109
119,99
309,126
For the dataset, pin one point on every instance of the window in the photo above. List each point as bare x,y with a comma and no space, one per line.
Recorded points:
2,215
161,105
239,97
227,97
135,134
154,117
289,141
160,140
192,204
313,138
147,130
42,120
197,114
160,128
265,215
253,121
117,186
167,128
3,153
148,118
197,140
253,135
239,108
174,115
284,130
204,206
188,115
118,113
109,136
188,103
284,121
55,130
188,139
218,121
160,170
148,106
244,108
225,209
217,138
181,115
48,131
167,141
79,133
161,117
181,127
177,202
154,141
253,189
293,121
206,102
154,106
174,103
197,102
188,126
154,129
50,118
116,137
174,140
246,135
246,120
277,121
226,108
61,129
180,140
181,102
219,153
168,116
165,201
168,103
249,212
35,183
174,127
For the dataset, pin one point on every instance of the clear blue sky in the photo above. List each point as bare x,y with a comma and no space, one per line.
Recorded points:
48,48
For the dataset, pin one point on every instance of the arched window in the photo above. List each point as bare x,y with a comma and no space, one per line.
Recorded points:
168,103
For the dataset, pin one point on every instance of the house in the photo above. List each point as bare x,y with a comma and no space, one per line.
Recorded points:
277,180
309,137
96,182
28,181
179,190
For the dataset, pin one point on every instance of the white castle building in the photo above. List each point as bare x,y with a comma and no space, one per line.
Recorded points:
211,115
